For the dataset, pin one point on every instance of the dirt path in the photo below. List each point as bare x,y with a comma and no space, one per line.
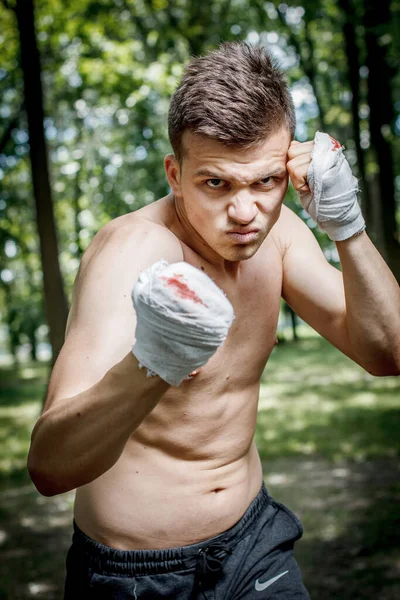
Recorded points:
350,550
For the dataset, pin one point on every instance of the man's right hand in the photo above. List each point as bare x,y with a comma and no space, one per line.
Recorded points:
182,319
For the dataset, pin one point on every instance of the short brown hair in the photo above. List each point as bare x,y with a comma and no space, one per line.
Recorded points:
236,95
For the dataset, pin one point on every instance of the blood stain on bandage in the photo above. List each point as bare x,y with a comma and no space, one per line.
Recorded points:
336,144
183,289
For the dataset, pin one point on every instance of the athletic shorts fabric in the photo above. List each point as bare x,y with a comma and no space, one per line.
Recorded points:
253,560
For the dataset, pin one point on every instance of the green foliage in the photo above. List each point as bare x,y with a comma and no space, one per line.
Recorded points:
109,69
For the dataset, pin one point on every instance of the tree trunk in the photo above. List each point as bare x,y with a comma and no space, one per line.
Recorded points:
289,312
55,300
307,61
294,325
13,338
33,344
310,69
352,53
377,24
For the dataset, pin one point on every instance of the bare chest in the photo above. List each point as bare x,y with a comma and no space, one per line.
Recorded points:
255,296
212,416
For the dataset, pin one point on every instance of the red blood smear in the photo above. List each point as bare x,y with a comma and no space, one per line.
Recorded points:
336,145
182,289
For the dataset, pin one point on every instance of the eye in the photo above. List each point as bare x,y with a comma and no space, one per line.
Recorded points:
266,180
215,183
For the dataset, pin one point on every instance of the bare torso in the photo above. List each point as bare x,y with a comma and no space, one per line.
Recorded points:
191,468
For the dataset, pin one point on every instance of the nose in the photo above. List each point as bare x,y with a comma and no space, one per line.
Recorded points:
242,208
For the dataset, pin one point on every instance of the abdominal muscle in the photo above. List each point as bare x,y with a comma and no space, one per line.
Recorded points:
153,499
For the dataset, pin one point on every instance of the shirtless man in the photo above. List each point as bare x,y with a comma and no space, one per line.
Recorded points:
158,441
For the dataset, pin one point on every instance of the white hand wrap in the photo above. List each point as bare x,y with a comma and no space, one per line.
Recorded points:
182,319
332,203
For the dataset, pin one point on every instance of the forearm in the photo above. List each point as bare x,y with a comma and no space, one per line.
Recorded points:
80,438
372,305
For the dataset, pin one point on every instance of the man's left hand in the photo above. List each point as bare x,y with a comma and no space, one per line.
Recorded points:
326,186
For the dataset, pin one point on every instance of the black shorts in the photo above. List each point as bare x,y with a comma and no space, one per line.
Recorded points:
251,560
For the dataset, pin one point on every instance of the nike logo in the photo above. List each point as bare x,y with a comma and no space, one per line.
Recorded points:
263,586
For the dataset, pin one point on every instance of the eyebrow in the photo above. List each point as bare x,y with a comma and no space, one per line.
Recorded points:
214,174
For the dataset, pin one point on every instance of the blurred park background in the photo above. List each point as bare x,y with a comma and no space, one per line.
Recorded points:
84,92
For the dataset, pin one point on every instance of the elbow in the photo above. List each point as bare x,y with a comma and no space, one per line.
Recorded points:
384,369
45,472
45,490
46,486
386,363
387,373
46,483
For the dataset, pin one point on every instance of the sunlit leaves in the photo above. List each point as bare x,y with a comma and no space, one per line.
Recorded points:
109,68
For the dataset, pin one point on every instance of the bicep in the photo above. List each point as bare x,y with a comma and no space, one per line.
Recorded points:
314,288
311,286
102,321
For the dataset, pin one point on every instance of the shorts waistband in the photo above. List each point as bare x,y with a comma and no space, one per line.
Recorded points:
110,561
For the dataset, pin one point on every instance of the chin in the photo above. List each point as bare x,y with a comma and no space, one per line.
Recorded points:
245,251
239,253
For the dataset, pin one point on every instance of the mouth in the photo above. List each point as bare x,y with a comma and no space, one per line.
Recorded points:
244,237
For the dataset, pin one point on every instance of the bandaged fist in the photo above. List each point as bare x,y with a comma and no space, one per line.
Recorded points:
326,186
182,319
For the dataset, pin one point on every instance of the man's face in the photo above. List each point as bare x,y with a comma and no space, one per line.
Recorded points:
229,199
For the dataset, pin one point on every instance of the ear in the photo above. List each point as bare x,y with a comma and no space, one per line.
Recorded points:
173,172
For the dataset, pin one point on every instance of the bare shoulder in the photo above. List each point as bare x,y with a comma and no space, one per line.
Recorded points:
112,262
135,238
288,229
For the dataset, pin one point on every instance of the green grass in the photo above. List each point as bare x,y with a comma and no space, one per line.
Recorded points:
327,433
316,401
21,397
